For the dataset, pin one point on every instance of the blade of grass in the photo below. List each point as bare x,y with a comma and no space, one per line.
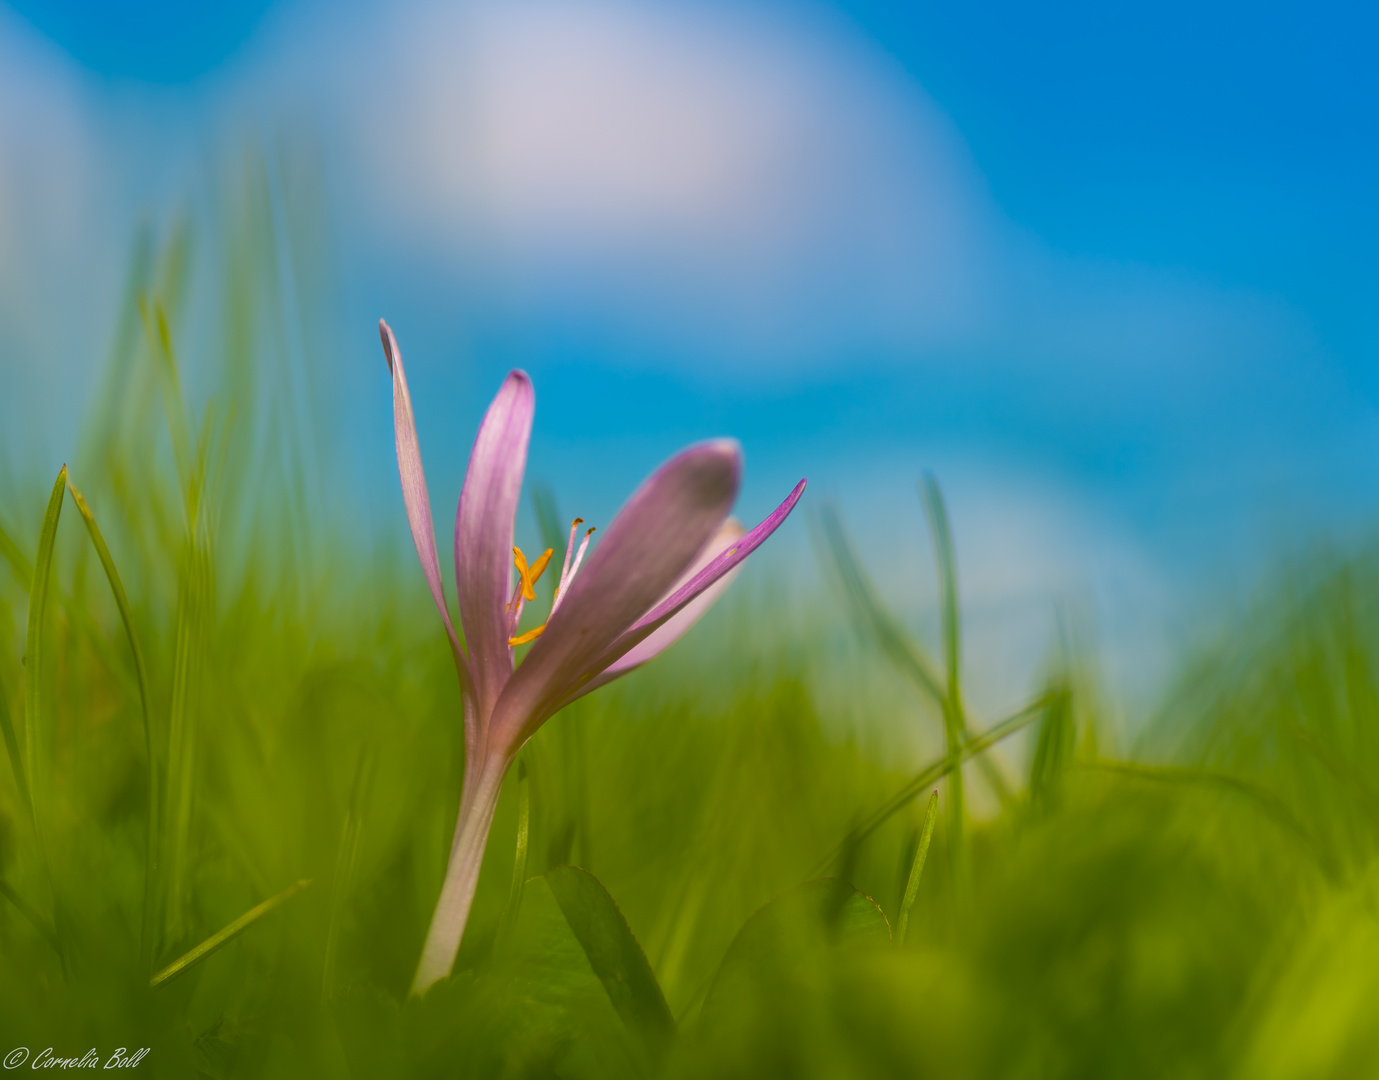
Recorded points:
954,721
22,906
346,862
225,936
519,864
548,524
916,870
33,645
1265,800
887,632
159,340
188,660
34,698
871,614
23,569
1052,753
21,776
112,576
934,771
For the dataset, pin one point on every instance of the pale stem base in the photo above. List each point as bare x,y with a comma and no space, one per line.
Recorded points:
477,804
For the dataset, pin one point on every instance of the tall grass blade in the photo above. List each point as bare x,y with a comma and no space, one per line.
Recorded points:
875,621
519,862
21,776
19,564
39,923
112,575
954,721
34,660
1052,752
917,869
34,697
99,432
225,936
193,603
929,774
1270,804
159,339
872,616
346,863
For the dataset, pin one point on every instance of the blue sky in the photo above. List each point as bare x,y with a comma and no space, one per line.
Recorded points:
1108,269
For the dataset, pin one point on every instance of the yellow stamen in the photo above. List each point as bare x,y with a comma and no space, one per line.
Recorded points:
530,635
530,574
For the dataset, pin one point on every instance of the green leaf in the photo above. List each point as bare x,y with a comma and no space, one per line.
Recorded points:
543,1004
225,936
614,955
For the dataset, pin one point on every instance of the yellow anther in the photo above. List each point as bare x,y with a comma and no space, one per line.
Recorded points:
530,574
530,635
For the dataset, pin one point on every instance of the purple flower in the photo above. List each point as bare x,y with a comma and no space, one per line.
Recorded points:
667,556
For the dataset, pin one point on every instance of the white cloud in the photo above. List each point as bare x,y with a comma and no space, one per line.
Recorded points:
724,174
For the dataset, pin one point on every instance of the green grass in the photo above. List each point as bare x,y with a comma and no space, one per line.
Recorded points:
207,701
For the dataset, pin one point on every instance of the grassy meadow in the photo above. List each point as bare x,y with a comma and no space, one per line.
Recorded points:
263,720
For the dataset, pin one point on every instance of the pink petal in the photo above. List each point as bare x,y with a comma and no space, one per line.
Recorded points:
483,534
414,495
681,597
651,542
675,627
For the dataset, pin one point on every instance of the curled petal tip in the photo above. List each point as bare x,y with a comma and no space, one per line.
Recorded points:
385,335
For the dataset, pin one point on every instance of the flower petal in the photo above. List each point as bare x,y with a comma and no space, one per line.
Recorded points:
680,598
414,496
483,534
655,536
676,626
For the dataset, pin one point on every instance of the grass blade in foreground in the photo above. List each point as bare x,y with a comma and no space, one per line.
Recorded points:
921,853
935,771
12,555
33,644
222,937
141,673
21,778
33,685
614,955
33,916
908,656
519,863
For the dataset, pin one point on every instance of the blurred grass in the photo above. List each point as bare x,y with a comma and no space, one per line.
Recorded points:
221,699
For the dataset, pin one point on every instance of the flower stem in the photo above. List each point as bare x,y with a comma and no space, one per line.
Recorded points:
477,804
